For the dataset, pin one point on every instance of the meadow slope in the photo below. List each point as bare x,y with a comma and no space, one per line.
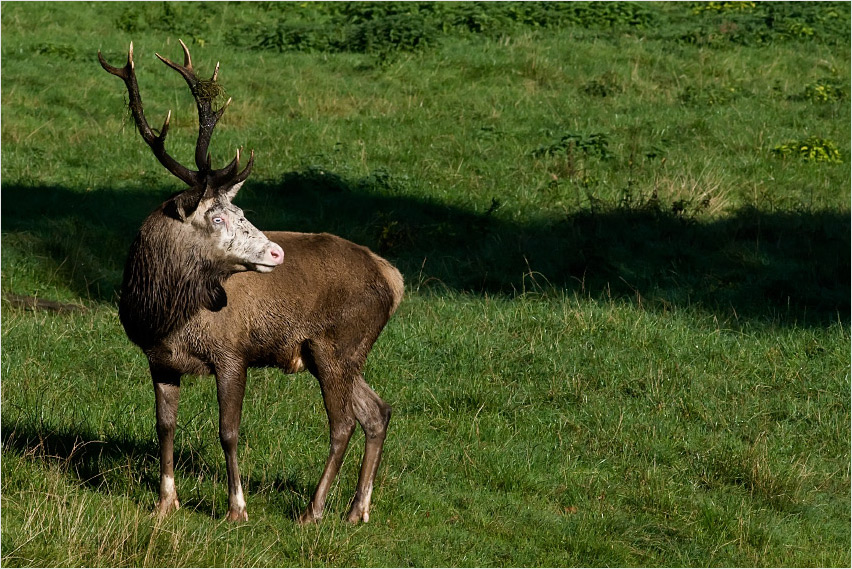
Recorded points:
625,233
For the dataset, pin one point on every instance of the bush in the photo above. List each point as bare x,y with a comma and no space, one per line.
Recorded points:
717,24
606,85
825,90
708,96
397,33
287,36
385,28
811,149
595,144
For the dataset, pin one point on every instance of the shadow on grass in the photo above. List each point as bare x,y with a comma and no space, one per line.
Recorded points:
779,267
117,465
99,463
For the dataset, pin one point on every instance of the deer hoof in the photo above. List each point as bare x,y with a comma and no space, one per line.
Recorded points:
165,507
357,515
308,518
238,516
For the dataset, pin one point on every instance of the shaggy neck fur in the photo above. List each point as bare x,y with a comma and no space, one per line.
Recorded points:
166,282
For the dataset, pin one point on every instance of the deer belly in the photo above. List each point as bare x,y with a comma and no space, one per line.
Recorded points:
287,360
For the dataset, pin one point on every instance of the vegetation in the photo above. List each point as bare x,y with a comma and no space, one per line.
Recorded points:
625,232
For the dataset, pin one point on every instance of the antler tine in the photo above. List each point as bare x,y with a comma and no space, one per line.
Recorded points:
187,60
118,71
231,174
156,142
186,69
223,175
241,177
203,92
165,128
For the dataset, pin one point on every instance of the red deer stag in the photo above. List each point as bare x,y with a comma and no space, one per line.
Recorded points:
204,291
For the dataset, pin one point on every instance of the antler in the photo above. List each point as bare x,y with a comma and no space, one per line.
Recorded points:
203,92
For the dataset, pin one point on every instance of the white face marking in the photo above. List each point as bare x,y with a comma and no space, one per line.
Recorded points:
233,239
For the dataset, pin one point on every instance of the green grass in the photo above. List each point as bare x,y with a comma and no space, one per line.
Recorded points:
625,338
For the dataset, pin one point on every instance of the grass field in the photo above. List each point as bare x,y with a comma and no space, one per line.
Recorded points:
625,232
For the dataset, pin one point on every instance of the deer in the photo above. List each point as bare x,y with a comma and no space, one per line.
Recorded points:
204,292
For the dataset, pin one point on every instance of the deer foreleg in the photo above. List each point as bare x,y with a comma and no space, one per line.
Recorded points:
166,395
230,389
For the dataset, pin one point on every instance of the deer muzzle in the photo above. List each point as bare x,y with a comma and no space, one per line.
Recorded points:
272,257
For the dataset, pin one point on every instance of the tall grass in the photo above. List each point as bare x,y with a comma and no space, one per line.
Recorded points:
625,339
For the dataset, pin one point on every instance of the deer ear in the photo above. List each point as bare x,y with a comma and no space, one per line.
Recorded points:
231,192
183,204
227,192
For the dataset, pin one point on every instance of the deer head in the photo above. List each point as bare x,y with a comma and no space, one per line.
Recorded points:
205,209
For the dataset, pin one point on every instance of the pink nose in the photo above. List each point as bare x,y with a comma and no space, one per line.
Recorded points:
275,254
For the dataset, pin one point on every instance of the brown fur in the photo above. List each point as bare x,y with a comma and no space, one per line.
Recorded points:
321,310
264,319
205,292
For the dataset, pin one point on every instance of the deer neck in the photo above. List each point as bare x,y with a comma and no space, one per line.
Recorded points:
166,283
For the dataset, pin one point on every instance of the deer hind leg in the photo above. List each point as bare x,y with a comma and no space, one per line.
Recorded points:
374,415
230,390
336,388
341,425
166,395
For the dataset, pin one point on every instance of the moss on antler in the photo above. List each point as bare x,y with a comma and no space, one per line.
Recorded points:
209,90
